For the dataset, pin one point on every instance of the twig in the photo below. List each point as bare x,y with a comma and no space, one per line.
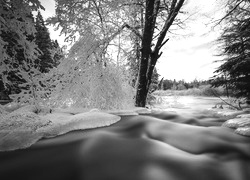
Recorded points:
238,108
224,17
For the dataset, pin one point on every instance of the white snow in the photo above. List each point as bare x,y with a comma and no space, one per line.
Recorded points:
22,127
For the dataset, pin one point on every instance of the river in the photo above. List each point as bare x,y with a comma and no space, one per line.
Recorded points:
189,104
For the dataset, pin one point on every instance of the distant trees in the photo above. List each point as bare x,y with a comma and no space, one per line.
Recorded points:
234,73
182,85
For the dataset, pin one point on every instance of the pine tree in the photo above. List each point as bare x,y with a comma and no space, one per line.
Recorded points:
45,45
234,73
19,52
18,47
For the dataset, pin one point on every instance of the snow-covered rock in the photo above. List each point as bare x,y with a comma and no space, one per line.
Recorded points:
237,122
245,131
241,124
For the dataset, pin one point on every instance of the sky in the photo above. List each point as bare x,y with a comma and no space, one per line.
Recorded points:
190,53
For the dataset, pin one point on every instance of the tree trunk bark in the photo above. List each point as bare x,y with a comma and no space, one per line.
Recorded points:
150,17
149,57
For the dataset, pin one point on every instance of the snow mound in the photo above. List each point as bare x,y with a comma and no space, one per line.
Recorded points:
18,130
34,109
22,128
241,124
245,131
63,123
22,121
237,122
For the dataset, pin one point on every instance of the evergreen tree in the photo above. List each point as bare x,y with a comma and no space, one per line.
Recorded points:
45,45
19,62
234,73
167,84
16,42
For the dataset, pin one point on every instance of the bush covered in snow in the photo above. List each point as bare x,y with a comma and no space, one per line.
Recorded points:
89,79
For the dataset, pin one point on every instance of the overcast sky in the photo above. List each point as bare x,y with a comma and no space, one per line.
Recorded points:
189,55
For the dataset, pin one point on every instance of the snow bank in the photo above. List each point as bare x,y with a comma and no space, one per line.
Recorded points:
22,128
18,130
63,123
240,124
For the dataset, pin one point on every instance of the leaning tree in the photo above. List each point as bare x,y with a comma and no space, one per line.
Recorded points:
106,21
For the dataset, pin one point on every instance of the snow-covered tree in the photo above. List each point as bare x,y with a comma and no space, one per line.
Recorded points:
16,40
18,50
86,78
234,72
94,72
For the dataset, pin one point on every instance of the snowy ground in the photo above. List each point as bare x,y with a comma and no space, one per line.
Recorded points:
22,127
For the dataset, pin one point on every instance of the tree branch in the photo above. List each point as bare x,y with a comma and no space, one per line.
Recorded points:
216,95
229,13
133,29
163,43
173,13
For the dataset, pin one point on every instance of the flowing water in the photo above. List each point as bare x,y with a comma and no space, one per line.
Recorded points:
189,104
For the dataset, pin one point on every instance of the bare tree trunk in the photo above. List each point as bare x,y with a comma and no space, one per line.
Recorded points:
152,7
149,57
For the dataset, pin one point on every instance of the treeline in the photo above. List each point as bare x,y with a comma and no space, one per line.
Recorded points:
167,84
194,88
